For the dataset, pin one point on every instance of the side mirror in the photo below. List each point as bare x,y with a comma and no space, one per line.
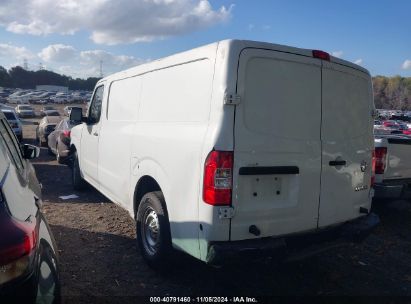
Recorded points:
30,151
76,115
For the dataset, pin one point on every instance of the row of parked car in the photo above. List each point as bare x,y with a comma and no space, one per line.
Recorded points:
54,133
392,126
26,96
25,111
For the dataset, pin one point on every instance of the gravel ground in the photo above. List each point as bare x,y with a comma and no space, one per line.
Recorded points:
98,254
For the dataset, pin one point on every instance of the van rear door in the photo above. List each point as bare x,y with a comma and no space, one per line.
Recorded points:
347,143
277,153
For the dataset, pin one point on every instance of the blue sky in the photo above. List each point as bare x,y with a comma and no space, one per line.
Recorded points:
70,37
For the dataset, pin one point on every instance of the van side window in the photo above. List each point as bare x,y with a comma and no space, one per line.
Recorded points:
12,145
95,106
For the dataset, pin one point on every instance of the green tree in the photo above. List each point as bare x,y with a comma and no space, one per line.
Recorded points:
5,80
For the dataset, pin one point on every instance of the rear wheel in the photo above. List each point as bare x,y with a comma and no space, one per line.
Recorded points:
58,154
40,141
48,284
77,180
153,229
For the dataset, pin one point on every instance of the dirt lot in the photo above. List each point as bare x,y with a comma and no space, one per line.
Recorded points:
98,255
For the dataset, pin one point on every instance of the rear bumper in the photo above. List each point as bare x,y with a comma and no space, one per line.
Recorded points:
25,287
296,247
393,189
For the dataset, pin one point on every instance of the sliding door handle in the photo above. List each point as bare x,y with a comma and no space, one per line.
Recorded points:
336,163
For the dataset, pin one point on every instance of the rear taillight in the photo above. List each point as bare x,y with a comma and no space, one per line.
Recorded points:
65,137
18,242
380,159
218,178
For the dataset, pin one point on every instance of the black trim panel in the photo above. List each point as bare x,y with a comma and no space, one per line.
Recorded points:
269,170
336,163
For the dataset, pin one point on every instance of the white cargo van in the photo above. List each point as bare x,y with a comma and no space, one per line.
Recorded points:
233,146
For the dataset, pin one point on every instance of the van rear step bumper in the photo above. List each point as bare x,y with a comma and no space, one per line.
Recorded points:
295,247
396,188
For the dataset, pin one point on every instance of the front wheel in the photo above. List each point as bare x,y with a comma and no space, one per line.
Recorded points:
77,180
153,229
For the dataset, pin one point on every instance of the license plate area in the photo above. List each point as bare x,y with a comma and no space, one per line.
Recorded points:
267,191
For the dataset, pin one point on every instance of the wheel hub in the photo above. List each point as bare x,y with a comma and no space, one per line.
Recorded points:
151,231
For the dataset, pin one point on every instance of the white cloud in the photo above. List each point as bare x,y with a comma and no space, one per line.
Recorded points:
358,61
406,65
57,53
337,54
111,63
87,63
111,22
12,52
65,59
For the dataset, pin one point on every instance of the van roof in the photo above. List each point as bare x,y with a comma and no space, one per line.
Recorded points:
233,44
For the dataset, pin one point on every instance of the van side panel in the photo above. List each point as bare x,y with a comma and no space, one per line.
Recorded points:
118,122
219,136
168,138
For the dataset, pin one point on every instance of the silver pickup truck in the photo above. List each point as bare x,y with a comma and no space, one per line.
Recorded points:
392,166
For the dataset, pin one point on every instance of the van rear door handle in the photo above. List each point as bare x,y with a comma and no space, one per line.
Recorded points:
95,133
336,163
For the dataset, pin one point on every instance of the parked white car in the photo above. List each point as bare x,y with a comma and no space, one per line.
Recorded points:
25,111
392,166
58,99
199,149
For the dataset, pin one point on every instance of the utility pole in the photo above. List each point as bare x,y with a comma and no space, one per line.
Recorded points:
101,69
25,64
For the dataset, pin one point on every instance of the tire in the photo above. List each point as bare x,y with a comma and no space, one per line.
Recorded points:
153,230
78,182
38,139
58,158
41,143
48,283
